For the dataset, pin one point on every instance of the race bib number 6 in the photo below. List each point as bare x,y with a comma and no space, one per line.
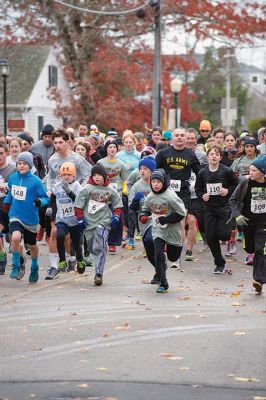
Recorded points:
214,188
19,192
95,206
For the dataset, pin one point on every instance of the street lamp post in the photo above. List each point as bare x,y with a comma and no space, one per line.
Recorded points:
176,86
156,106
4,71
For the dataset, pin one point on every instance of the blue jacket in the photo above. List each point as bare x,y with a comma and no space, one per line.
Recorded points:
23,190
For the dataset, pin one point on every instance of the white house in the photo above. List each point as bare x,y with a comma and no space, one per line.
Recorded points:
34,70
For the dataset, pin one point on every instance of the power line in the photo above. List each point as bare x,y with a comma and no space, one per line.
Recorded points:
111,13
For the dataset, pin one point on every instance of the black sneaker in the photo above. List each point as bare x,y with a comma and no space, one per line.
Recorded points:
219,269
189,256
22,268
51,273
81,267
98,280
155,280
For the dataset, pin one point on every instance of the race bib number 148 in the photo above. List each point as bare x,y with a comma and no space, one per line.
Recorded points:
19,192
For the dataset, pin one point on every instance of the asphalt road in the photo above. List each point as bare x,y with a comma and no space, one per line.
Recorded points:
67,339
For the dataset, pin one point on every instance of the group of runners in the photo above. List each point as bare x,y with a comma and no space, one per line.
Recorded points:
89,192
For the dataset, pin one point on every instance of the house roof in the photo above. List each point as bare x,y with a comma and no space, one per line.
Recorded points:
25,65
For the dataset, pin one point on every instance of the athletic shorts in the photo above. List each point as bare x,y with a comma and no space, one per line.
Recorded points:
29,237
196,208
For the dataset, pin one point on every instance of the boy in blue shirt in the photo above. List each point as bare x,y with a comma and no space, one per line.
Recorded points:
26,194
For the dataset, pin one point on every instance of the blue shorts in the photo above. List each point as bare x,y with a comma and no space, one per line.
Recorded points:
28,236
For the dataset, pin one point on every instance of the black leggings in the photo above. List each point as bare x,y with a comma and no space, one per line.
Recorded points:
61,232
173,254
255,242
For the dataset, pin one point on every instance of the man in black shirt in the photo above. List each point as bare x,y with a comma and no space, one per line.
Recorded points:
178,162
214,185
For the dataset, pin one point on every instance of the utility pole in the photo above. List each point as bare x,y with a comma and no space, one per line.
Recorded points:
156,105
228,91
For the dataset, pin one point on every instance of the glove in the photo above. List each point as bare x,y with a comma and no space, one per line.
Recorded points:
38,202
138,196
66,187
241,220
49,212
162,219
144,219
82,223
115,221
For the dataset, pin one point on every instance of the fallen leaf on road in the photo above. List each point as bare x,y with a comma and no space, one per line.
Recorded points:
84,350
237,304
144,280
106,334
84,385
101,369
37,349
174,358
236,293
110,398
124,327
259,398
184,368
185,298
239,333
240,379
166,355
177,316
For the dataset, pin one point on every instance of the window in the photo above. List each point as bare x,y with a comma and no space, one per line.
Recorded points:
52,75
40,124
254,79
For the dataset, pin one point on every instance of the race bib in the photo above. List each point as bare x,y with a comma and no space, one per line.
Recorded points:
114,185
19,192
214,188
156,223
258,206
66,210
175,185
95,206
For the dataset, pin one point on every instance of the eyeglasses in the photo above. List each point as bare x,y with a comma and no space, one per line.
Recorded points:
203,130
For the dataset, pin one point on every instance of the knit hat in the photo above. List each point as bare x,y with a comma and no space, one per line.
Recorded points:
68,168
162,176
250,140
27,157
99,169
167,135
26,137
205,125
47,130
260,163
107,144
119,141
112,132
148,162
148,151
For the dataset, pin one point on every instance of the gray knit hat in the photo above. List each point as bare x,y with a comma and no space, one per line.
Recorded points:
27,157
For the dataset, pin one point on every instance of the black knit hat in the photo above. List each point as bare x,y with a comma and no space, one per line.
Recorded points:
108,142
26,137
162,176
47,130
99,169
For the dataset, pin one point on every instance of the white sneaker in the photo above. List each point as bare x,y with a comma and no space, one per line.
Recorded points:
176,264
232,248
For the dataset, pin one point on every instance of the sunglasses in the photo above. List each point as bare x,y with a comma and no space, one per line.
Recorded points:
203,130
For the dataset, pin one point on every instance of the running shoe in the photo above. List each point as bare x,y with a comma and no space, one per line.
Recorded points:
71,265
14,274
62,267
138,236
131,244
51,273
88,261
40,234
257,286
240,237
112,249
176,264
34,275
219,269
162,289
22,268
249,259
155,280
98,280
81,265
189,256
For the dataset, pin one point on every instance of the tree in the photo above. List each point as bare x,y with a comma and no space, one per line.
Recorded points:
87,41
209,88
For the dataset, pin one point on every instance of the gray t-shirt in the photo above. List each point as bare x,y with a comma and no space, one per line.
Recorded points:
95,201
133,178
163,204
116,171
145,188
83,168
4,175
241,165
44,151
64,204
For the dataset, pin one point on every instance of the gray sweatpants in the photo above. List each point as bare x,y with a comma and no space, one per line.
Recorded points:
97,246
